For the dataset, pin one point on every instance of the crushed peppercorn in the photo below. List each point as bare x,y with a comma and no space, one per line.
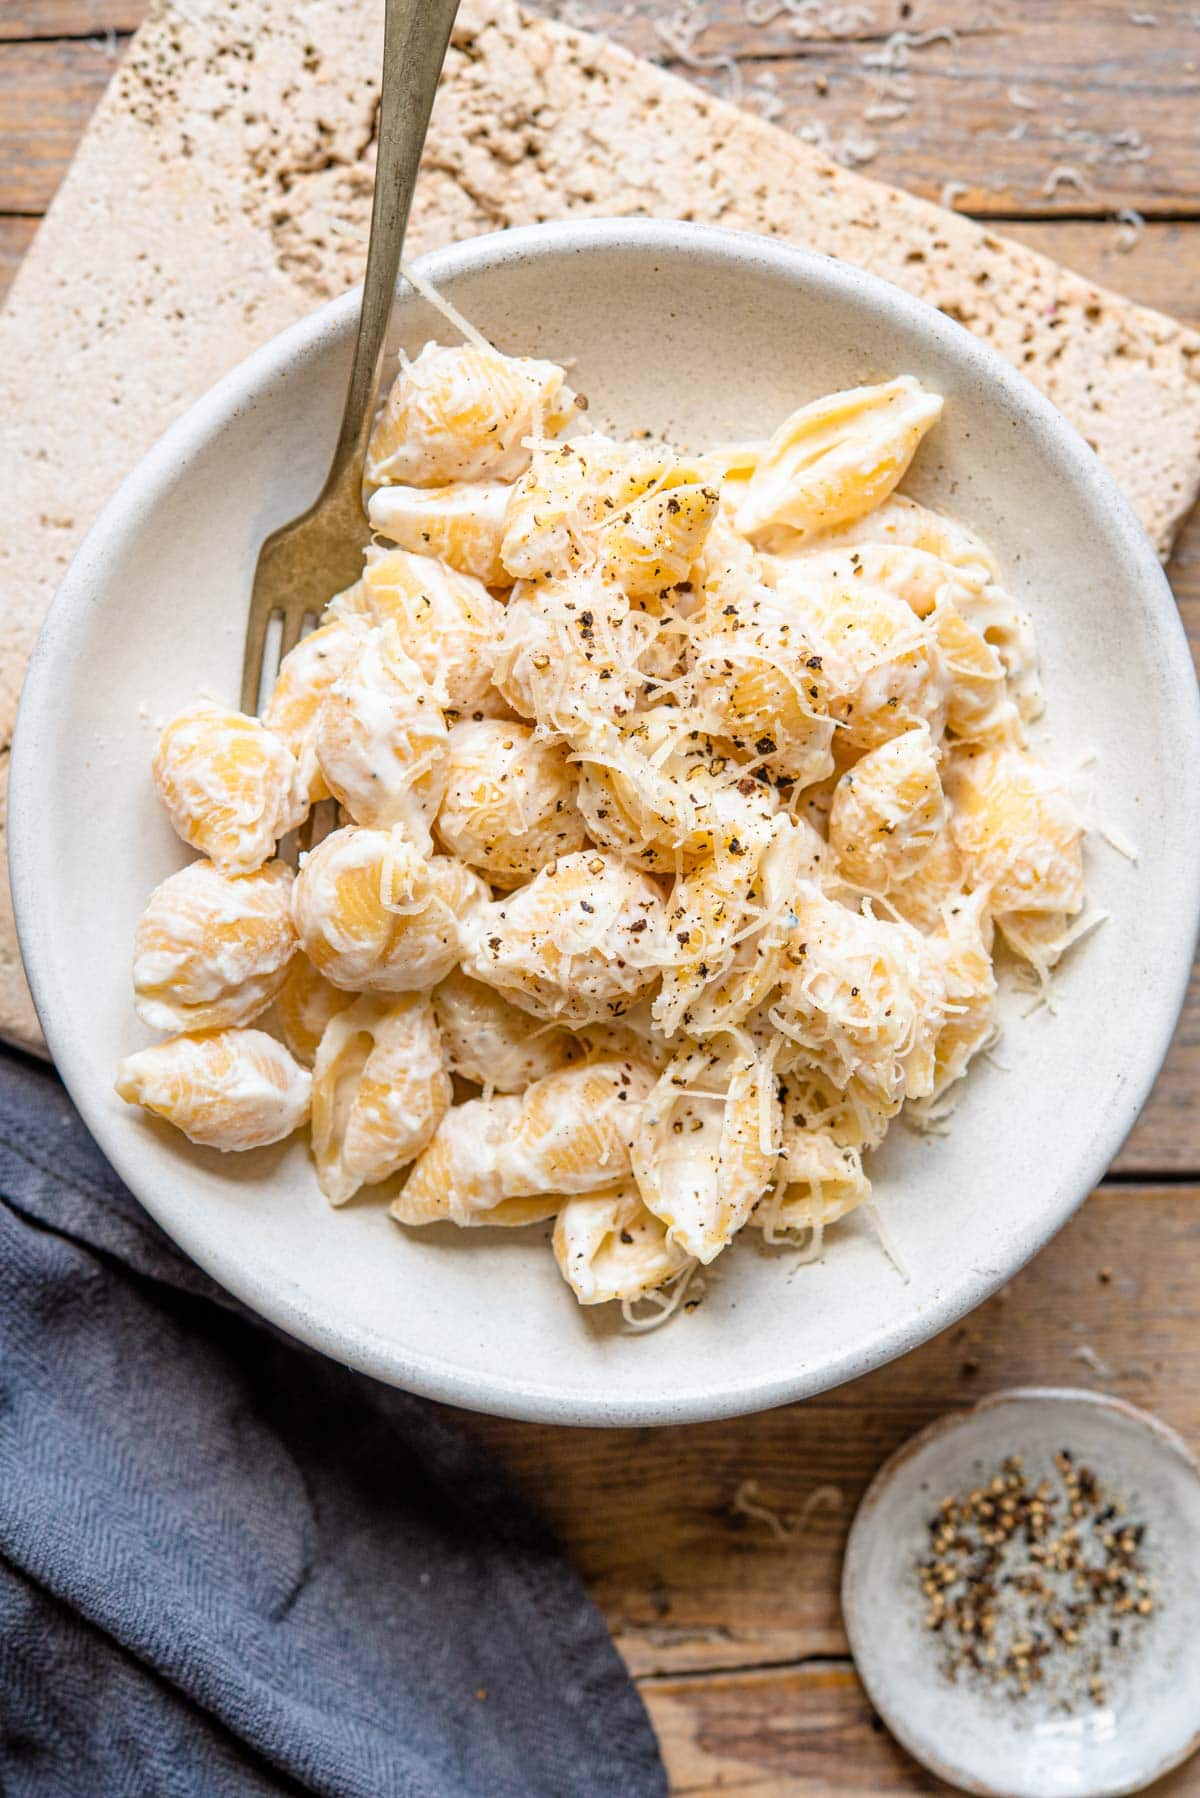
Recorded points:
1026,1582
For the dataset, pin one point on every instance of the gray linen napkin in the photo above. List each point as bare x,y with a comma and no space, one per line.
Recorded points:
228,1566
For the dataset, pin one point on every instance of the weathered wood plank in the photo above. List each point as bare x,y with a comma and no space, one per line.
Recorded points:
759,28
688,1581
1166,1138
47,95
807,1732
1095,91
69,18
16,235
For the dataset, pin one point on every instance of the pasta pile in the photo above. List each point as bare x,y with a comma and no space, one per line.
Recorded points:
680,799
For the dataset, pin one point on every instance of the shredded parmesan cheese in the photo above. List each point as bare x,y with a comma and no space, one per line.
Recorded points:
688,1286
886,1242
785,1528
1116,839
678,33
1130,226
686,855
1065,174
450,313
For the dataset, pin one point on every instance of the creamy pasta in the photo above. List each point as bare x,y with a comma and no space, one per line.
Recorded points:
683,803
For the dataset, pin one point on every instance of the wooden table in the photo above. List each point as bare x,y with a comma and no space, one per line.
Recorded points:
1049,116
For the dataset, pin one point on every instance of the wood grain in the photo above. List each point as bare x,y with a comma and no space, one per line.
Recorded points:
809,1731
48,92
68,18
804,1732
1108,96
699,1585
735,1636
16,235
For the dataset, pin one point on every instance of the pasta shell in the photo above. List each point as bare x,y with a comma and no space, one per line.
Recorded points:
577,945
881,663
903,522
758,678
509,805
373,915
795,852
463,414
709,911
914,575
608,1246
552,512
462,525
446,621
231,788
1042,938
213,949
852,1116
962,945
306,675
920,895
1008,630
489,1041
304,1005
977,702
380,1089
1018,831
663,793
652,544
579,506
229,1089
860,997
380,739
707,1143
837,458
887,812
573,1130
570,654
817,1183
457,1178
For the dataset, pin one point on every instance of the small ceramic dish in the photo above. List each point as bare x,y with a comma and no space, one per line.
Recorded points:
700,336
1064,1738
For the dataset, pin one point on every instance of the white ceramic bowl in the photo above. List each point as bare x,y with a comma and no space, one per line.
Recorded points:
700,335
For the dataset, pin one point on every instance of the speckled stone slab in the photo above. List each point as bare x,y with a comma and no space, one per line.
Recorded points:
223,189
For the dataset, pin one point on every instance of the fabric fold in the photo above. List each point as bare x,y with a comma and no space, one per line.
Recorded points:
232,1566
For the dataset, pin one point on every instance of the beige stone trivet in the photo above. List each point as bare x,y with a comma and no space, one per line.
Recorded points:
223,189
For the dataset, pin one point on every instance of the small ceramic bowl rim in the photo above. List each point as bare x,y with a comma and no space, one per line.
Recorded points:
243,387
875,1500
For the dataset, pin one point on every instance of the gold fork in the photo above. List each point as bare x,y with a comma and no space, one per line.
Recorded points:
304,563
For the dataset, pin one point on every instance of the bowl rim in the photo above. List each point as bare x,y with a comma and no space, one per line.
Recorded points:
246,385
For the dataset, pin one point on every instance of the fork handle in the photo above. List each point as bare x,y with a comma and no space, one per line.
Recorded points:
415,36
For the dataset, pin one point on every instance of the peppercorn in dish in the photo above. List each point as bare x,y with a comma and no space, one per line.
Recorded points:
681,800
